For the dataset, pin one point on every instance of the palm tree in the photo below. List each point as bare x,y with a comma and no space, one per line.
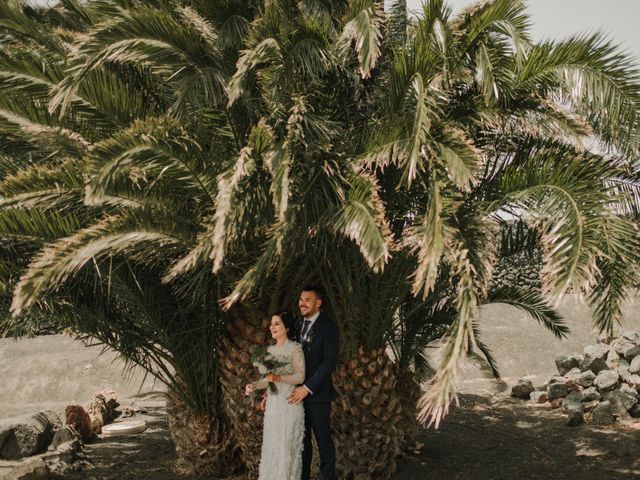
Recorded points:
180,168
121,126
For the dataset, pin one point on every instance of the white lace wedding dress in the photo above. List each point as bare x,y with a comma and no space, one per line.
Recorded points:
283,431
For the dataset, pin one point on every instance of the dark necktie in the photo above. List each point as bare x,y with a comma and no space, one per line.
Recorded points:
305,327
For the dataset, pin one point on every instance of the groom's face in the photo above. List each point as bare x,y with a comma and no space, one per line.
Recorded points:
309,304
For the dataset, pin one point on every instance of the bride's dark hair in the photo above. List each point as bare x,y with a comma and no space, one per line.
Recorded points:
288,321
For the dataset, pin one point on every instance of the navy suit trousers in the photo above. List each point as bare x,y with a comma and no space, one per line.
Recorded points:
317,419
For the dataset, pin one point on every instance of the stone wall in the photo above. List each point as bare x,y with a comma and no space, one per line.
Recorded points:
599,385
519,270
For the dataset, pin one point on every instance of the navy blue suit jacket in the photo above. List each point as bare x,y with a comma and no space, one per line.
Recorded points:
320,358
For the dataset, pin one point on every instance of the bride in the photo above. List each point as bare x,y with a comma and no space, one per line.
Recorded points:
283,430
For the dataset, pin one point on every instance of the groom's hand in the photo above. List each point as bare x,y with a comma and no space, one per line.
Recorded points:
297,395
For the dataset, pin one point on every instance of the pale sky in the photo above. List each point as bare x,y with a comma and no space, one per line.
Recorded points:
558,19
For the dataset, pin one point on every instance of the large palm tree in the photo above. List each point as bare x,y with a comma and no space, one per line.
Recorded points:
172,171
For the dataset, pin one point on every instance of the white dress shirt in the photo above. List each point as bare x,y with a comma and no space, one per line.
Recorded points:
312,319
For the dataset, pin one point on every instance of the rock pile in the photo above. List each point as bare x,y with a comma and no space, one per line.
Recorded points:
23,437
600,385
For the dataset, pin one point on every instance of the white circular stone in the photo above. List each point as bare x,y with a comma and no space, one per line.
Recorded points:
124,428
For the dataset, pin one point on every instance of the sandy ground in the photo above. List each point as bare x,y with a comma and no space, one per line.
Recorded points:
490,437
53,371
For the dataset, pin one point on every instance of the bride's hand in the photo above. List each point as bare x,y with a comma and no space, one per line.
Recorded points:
248,390
272,378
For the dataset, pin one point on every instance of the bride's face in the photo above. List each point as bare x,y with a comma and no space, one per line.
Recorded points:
278,330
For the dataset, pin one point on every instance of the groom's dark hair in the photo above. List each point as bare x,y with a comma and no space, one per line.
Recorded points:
317,289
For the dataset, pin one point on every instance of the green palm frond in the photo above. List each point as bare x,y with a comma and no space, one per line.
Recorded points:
420,129
80,11
485,350
567,200
598,80
225,228
266,51
44,187
534,304
460,157
56,263
483,20
434,404
51,139
615,279
363,26
361,218
255,276
430,239
30,92
143,156
153,39
36,226
232,32
16,23
486,77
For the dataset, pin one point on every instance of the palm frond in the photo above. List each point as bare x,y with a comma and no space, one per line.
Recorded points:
52,139
265,52
36,226
614,278
151,38
598,80
435,402
56,263
571,191
534,304
429,239
485,350
143,156
225,228
361,218
363,26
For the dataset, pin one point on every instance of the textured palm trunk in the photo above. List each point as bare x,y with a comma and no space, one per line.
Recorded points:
235,371
203,442
366,416
408,390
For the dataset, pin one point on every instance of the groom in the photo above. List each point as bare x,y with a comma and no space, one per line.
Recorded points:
319,337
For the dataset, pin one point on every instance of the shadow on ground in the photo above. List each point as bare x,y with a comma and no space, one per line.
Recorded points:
509,439
147,456
484,439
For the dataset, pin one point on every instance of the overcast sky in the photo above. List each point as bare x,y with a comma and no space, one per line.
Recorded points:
561,18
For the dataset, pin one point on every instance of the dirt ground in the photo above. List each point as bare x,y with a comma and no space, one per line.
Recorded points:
484,439
489,437
510,439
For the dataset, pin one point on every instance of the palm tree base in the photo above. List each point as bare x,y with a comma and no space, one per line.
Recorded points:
203,442
366,416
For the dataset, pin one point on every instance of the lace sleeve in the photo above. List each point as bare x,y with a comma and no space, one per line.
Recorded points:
297,362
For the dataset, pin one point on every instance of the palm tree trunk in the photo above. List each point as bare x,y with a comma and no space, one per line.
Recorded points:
409,392
366,415
203,442
235,371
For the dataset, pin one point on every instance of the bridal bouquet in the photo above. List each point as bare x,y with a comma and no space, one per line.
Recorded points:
267,364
